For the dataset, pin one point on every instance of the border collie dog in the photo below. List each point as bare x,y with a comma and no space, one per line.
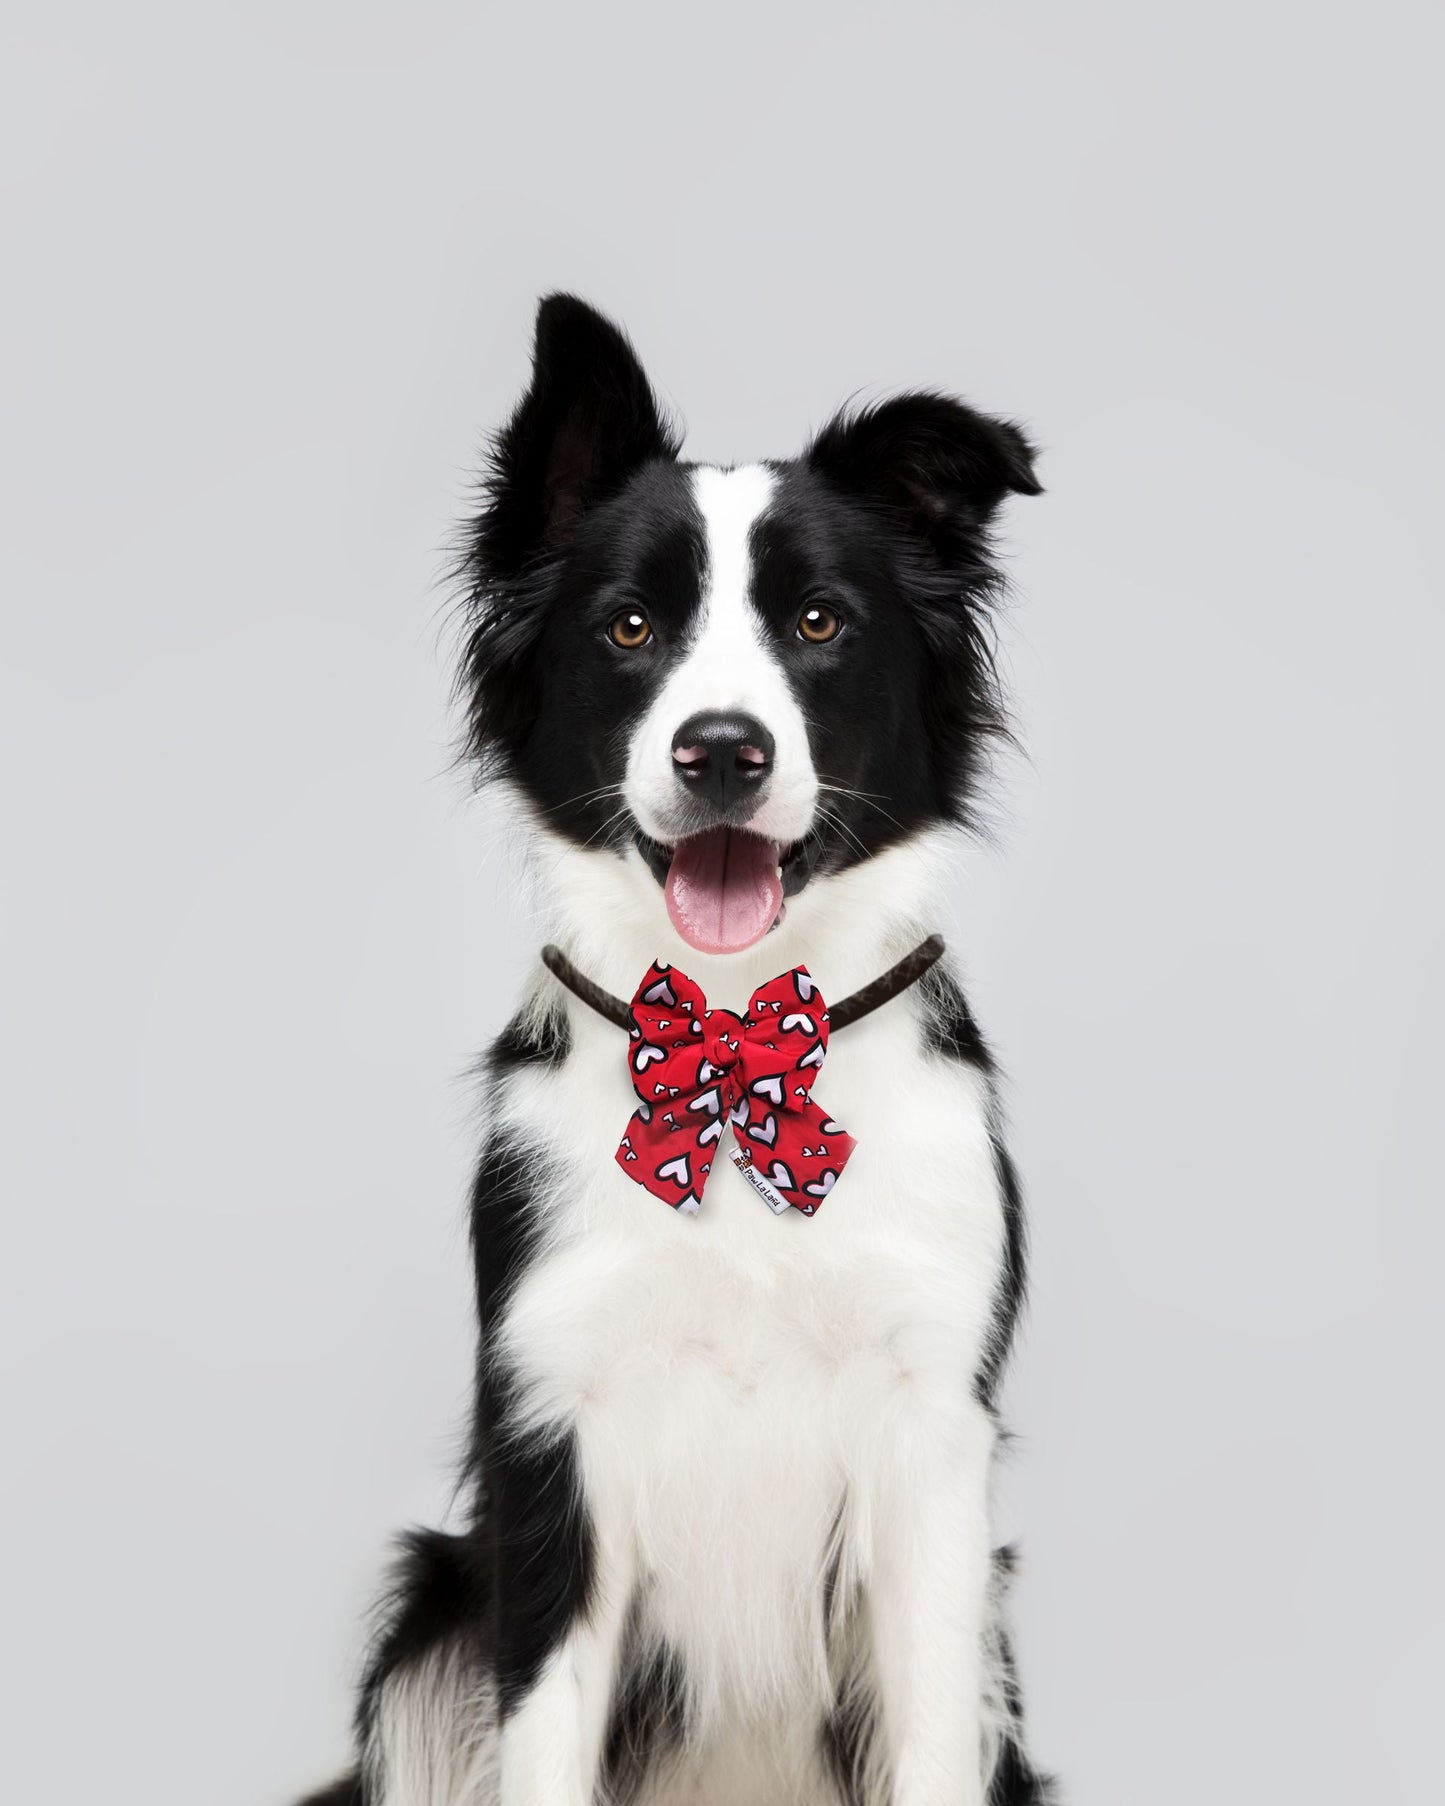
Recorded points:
726,1527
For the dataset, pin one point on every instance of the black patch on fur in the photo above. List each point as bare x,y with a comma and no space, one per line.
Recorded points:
550,697
648,1717
439,1595
1015,1781
585,512
588,420
539,1542
949,1025
884,519
938,466
502,1594
847,1740
529,1040
504,1221
951,1030
348,1792
531,1530
1013,1281
848,1731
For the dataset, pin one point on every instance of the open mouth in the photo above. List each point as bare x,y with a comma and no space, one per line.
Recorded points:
725,887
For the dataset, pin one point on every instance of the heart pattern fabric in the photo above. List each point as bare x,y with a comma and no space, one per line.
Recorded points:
695,1070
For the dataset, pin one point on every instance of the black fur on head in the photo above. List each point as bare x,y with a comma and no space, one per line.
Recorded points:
588,421
920,476
886,516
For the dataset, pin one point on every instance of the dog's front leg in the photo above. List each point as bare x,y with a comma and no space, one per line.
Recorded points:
551,1736
928,1604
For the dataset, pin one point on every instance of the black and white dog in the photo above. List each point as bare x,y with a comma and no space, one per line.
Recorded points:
727,1539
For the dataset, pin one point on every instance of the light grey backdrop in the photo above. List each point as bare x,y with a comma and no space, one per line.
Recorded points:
270,274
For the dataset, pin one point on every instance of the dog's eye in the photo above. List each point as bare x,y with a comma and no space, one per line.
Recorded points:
819,624
629,628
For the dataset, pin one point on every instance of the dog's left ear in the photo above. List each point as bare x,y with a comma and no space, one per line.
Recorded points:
588,420
939,467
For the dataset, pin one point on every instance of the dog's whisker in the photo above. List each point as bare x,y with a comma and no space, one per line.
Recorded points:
585,796
865,797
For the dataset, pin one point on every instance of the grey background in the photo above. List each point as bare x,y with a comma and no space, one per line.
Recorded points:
270,274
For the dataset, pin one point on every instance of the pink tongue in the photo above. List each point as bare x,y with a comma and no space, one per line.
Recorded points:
723,890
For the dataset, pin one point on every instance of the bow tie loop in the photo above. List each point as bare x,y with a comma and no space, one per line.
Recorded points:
696,1069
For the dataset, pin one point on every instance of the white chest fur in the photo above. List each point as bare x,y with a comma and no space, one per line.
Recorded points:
749,1393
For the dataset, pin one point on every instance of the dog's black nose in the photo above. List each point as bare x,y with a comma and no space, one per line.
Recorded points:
724,757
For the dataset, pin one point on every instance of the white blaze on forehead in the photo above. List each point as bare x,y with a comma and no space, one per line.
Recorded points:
731,663
730,502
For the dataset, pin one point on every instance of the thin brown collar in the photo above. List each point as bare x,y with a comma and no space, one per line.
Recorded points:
852,1008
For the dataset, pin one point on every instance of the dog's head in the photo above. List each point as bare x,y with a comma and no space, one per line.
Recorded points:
743,680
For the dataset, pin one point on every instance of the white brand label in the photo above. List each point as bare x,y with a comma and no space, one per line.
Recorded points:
765,1189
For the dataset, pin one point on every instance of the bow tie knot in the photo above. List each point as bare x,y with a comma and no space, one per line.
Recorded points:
696,1069
722,1039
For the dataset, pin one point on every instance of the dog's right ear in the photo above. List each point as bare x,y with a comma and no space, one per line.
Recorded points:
584,426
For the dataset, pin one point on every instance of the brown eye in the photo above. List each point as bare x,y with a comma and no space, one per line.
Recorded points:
629,629
819,624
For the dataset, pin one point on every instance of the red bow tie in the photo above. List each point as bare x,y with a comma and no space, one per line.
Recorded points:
695,1070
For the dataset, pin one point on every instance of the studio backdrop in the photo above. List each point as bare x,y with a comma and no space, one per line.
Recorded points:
270,274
